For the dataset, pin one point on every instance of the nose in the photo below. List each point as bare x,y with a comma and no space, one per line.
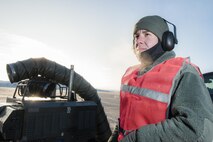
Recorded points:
139,39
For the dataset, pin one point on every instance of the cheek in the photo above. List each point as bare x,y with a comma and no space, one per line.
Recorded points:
153,42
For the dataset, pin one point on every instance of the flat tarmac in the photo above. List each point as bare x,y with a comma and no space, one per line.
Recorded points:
109,99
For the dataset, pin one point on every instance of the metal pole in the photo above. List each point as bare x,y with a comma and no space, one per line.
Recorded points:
70,97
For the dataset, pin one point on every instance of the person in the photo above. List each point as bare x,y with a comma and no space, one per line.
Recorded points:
163,98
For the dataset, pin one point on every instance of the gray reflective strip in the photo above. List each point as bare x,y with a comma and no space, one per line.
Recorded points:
158,96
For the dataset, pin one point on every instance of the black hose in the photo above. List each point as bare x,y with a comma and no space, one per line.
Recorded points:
33,67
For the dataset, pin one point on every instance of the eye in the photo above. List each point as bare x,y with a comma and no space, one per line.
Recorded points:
147,34
136,36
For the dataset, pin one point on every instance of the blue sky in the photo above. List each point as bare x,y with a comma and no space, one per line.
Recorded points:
96,35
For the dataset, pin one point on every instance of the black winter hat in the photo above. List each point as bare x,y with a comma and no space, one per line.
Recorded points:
155,24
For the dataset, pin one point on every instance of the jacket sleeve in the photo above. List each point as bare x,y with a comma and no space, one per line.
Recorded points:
190,118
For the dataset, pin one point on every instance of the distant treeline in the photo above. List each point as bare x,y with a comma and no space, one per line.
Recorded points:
7,84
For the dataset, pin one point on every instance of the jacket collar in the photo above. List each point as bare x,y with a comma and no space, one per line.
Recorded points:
166,56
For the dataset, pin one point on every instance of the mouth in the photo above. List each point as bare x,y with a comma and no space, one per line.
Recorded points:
141,47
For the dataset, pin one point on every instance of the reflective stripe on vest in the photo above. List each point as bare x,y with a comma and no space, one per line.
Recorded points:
158,96
145,99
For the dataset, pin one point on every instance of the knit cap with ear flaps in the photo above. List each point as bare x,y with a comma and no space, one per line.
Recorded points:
154,24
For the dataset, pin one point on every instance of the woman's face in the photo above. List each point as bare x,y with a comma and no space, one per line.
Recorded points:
143,40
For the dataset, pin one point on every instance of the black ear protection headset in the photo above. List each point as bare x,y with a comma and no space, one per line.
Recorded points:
169,39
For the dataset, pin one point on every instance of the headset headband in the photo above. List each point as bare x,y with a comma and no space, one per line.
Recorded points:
175,36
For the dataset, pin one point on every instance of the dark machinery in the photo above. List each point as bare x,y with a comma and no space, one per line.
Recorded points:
45,108
208,79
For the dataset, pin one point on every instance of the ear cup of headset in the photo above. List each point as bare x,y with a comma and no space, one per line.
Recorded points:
168,41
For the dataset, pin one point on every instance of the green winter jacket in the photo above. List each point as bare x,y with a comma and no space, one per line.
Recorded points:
190,115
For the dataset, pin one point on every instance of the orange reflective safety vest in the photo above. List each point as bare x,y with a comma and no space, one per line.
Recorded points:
145,99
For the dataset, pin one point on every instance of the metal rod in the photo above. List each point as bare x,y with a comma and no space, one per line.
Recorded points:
70,97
